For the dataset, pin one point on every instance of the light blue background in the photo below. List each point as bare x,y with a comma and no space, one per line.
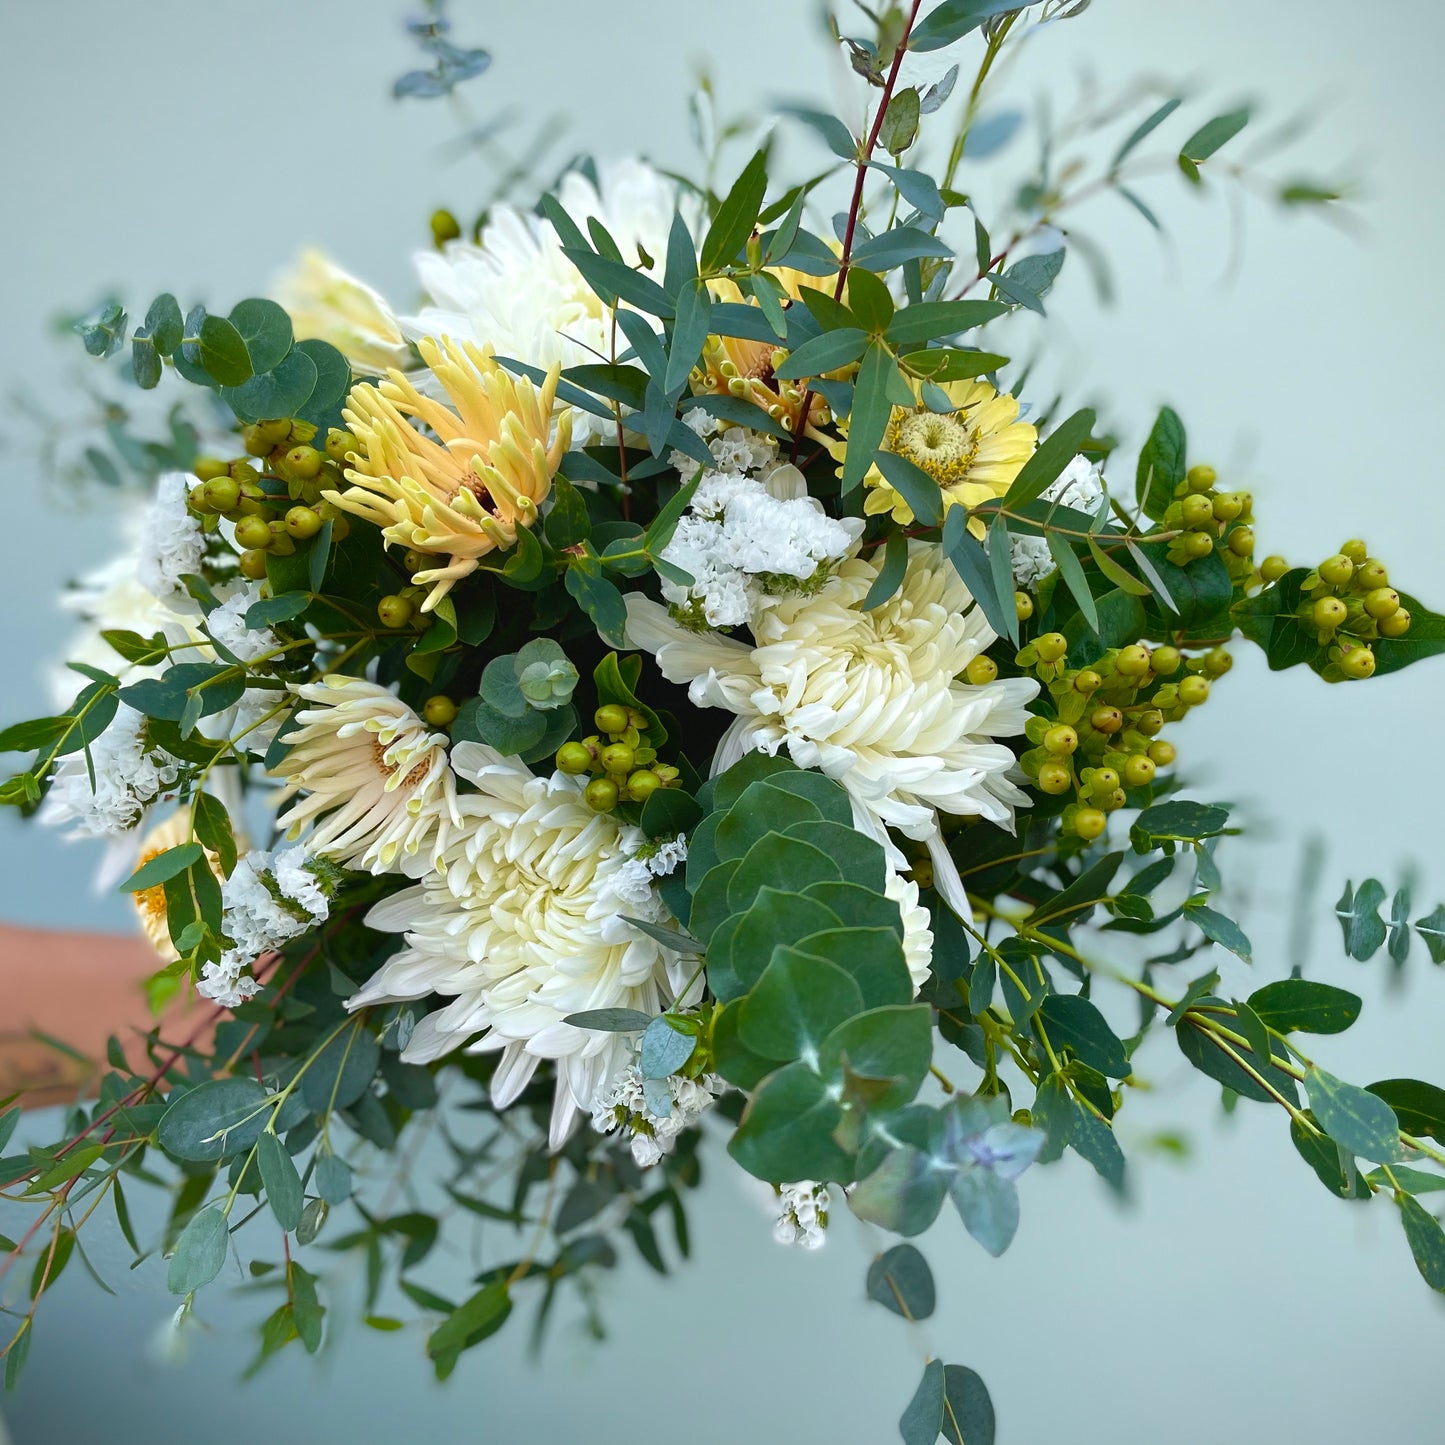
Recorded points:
169,145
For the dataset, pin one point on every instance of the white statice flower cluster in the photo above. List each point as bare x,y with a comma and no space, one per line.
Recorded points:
171,542
750,534
635,880
625,1104
227,625
258,919
1081,486
125,775
802,1214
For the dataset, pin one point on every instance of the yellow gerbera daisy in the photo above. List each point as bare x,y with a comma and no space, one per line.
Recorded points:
464,489
973,452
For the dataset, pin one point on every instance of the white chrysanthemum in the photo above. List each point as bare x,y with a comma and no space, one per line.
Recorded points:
917,927
802,1214
623,1104
869,697
227,625
327,303
1080,486
371,775
517,293
171,541
126,772
259,920
520,926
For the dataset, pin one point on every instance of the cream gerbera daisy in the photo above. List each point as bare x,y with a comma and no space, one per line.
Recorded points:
466,492
519,925
871,698
371,777
150,903
326,303
973,452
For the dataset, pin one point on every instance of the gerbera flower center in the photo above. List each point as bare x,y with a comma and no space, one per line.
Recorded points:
941,444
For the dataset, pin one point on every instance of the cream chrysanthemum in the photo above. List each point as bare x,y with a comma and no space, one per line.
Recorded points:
327,303
372,778
517,293
871,698
973,452
150,903
467,492
520,926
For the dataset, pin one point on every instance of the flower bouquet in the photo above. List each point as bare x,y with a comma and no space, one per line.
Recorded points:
675,679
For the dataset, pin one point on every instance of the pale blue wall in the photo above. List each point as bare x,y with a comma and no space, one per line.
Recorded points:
140,143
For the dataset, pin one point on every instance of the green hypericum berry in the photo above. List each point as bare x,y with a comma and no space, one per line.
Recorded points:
1228,506
205,468
1193,691
253,564
1273,568
1132,661
642,785
1104,780
1106,719
1357,662
1217,661
601,795
1328,613
1138,771
1336,570
444,227
1051,646
618,758
338,444
1397,624
1112,802
1061,740
255,443
981,671
1356,551
1149,722
1197,544
1055,777
1382,602
611,717
1241,541
1165,660
1200,478
303,522
439,710
221,493
253,532
411,559
1089,823
1086,680
573,758
1161,754
1023,605
1197,511
394,611
303,462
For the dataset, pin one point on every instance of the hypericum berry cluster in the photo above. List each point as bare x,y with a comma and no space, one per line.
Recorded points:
625,765
1103,738
1210,521
1346,603
274,508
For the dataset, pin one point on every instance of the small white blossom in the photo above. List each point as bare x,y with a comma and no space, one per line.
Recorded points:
624,1104
171,541
802,1214
128,774
1079,486
227,625
257,922
668,856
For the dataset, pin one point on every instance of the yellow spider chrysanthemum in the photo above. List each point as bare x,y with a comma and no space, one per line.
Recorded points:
973,452
463,487
737,366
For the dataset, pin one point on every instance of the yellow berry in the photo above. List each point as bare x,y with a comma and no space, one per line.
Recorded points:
618,758
573,758
221,494
1197,544
1228,506
439,710
303,522
303,462
611,717
1161,754
1372,574
253,533
1273,567
642,785
338,444
1397,624
1055,777
1355,550
981,671
1197,511
1061,740
1023,605
1138,771
1193,691
1104,780
1051,646
1106,719
1201,478
1241,541
1382,602
601,795
1087,681
1336,570
1089,823
1165,660
253,564
394,611
1132,661
1358,662
205,469
1329,613
1217,661
1149,722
